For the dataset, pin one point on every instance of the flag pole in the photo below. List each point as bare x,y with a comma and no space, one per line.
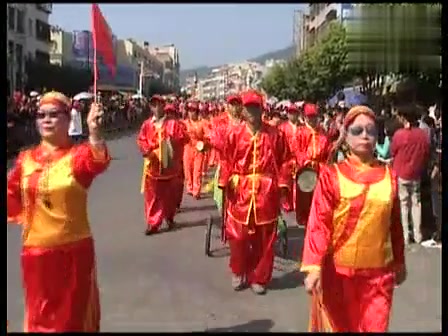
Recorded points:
95,70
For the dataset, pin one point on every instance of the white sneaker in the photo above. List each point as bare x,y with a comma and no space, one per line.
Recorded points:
431,243
237,282
258,289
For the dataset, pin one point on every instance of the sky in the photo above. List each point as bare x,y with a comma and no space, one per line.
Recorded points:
205,34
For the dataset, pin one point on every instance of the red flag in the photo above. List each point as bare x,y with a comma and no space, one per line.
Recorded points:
102,40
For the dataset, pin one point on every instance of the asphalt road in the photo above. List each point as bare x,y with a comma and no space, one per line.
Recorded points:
166,283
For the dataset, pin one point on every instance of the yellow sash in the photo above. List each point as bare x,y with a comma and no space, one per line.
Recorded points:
146,163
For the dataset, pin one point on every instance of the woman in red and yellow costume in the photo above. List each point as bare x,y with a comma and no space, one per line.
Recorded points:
354,248
47,195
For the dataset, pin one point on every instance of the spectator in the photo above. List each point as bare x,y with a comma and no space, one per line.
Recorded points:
75,128
383,141
410,150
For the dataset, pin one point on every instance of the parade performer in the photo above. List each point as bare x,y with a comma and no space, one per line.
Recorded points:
194,153
290,129
275,118
218,134
313,150
213,155
161,142
47,195
354,246
171,111
256,156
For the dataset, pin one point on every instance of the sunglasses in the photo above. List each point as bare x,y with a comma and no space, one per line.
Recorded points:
371,131
51,114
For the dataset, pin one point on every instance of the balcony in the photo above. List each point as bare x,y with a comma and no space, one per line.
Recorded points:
45,7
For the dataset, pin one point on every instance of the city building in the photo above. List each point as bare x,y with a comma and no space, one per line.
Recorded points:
146,65
28,36
300,30
169,56
75,49
227,79
61,50
320,16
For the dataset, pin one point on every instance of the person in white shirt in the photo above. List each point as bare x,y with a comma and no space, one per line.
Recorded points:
75,128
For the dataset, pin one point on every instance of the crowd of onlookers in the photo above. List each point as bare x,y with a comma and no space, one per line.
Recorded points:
120,112
411,137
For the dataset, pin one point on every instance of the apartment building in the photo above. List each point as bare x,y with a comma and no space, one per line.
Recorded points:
61,51
300,30
228,79
320,16
28,36
168,55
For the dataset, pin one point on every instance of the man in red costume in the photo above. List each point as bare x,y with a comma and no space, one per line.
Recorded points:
291,130
312,150
161,142
194,153
256,171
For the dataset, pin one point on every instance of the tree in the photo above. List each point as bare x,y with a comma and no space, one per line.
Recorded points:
274,82
316,74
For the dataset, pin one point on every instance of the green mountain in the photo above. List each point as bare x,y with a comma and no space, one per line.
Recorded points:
203,71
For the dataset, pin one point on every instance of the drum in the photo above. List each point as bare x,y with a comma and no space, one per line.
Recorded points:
166,153
200,146
307,180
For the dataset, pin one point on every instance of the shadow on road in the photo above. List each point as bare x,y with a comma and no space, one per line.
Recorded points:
296,237
289,280
191,224
252,326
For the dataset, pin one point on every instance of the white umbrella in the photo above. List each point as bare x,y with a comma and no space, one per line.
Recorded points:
137,96
34,94
83,95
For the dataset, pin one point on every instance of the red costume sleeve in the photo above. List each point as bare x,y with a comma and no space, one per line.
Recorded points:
145,141
14,195
327,151
217,138
89,162
396,230
226,160
319,228
283,160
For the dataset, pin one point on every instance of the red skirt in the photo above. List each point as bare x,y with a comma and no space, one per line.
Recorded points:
61,291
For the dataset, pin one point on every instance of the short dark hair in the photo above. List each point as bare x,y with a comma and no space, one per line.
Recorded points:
409,112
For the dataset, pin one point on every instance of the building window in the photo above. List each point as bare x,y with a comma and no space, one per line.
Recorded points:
42,57
11,17
42,31
19,57
30,27
21,21
10,50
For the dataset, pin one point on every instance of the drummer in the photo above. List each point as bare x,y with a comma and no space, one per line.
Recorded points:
161,142
194,152
290,129
311,150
